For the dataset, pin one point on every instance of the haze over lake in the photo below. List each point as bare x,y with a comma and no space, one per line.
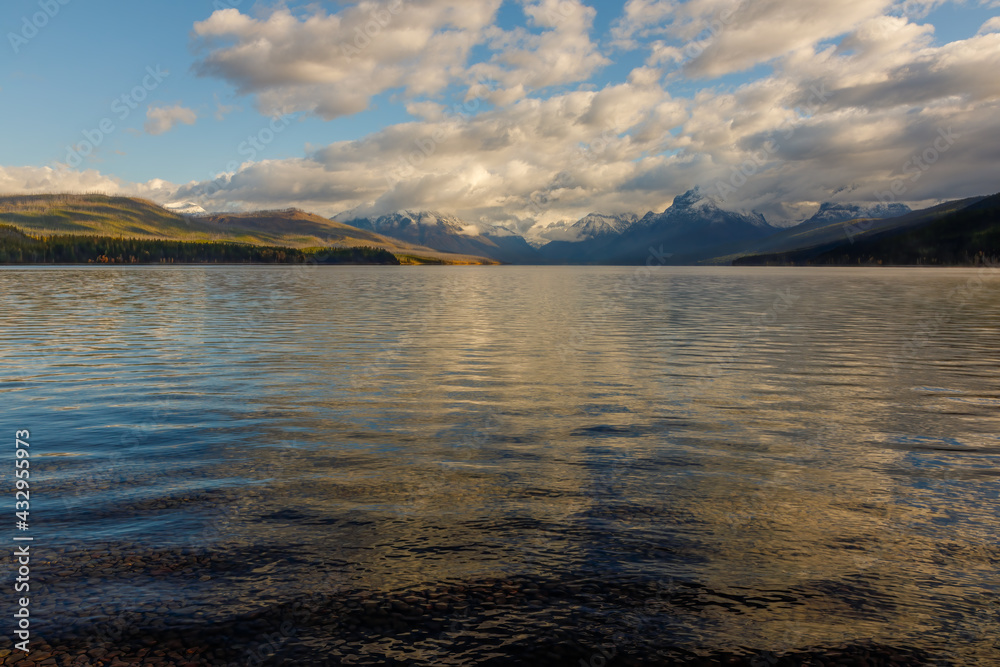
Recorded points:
523,463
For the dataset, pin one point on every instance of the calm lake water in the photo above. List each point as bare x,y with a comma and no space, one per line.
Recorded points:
508,465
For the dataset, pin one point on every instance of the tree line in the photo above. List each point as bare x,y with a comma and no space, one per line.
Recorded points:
17,247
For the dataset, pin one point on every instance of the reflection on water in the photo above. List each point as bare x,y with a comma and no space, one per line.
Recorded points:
475,465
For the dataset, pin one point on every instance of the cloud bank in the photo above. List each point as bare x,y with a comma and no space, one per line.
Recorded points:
849,101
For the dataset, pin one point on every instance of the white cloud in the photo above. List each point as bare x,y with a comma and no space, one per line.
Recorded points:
162,119
993,25
46,180
333,64
911,74
562,53
717,37
641,19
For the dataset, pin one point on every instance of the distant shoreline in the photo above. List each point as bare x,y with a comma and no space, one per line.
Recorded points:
721,267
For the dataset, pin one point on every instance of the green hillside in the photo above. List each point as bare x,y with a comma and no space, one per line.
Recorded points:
16,247
94,214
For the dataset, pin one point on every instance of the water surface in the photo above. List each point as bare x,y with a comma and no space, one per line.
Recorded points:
485,465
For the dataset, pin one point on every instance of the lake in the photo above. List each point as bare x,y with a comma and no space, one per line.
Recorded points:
508,465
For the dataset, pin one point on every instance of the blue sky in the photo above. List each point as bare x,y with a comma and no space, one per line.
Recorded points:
621,71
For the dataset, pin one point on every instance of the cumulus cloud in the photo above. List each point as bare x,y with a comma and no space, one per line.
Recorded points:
760,32
562,53
712,38
993,25
332,65
889,62
162,119
642,19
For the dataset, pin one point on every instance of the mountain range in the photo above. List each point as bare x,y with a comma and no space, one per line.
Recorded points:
448,234
695,229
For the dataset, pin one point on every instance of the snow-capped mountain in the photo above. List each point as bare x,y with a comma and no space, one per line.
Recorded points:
447,233
587,236
591,226
832,213
695,226
596,225
695,208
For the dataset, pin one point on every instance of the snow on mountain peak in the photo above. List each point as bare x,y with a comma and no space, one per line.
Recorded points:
696,205
833,212
694,198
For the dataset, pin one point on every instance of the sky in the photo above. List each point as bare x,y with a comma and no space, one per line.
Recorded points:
523,113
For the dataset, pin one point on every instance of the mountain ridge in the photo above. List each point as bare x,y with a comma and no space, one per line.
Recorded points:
953,233
693,227
448,233
834,212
